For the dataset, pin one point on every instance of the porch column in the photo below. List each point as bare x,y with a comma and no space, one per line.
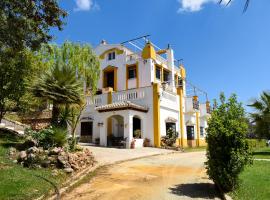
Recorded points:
103,133
128,127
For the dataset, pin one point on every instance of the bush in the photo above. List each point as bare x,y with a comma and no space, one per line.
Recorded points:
137,133
228,151
49,137
256,143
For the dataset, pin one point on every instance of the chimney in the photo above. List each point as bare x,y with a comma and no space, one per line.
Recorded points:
103,42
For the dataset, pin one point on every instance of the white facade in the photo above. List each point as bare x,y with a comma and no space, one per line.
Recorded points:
127,101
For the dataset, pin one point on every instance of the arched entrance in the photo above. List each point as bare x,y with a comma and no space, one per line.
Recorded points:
115,130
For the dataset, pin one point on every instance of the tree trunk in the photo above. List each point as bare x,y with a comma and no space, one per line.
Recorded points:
2,112
55,115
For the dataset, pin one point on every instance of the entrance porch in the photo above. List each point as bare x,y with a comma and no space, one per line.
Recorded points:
122,124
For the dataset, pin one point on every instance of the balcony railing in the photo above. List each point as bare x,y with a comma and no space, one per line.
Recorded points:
129,95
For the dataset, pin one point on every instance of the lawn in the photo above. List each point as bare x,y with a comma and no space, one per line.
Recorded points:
192,149
255,182
21,183
262,153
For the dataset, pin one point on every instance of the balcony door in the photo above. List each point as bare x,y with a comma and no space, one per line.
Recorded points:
110,77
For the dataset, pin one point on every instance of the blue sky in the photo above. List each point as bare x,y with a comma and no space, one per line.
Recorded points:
223,49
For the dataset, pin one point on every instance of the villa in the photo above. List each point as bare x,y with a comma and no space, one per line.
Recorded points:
141,95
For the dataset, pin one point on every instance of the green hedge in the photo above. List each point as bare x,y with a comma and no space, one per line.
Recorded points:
256,143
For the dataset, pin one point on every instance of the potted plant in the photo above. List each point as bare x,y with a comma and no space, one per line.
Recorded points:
146,142
132,144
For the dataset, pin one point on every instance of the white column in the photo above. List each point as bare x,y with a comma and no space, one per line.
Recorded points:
170,60
128,127
103,133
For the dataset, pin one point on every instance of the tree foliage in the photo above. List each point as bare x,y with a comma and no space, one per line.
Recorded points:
261,116
75,68
60,86
13,70
228,150
26,23
24,26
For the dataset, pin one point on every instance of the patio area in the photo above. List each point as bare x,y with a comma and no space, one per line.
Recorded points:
106,155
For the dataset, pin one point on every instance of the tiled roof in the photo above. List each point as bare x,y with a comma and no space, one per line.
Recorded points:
124,105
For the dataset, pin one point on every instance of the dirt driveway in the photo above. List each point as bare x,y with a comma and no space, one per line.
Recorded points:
168,177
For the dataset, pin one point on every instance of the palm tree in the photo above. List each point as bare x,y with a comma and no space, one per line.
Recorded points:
245,7
261,117
60,86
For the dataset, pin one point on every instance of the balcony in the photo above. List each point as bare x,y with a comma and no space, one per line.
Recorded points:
139,96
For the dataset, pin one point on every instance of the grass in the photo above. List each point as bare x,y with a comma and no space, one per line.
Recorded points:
22,183
192,149
263,153
255,181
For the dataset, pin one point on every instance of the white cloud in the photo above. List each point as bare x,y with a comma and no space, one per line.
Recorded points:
84,5
196,5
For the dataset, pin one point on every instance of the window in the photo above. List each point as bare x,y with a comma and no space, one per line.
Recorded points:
132,72
165,76
111,55
158,72
201,131
180,82
190,132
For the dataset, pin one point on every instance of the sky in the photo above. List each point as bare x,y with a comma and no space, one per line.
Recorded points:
222,48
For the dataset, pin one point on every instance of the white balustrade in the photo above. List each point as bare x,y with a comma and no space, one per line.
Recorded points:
96,100
129,95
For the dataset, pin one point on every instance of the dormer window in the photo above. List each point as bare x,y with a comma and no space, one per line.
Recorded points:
111,55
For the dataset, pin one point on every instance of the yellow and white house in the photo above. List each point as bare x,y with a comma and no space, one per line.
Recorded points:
142,94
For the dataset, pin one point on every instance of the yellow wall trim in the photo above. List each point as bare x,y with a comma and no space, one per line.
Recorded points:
109,97
136,73
182,125
104,78
117,50
156,115
198,128
182,72
148,52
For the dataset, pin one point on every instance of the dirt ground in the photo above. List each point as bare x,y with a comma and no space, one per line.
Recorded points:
168,177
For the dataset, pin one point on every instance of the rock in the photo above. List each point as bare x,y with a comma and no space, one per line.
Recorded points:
55,172
22,156
55,151
12,151
68,170
45,163
32,150
29,143
63,162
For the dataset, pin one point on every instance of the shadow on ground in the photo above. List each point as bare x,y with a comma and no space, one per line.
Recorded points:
195,190
261,153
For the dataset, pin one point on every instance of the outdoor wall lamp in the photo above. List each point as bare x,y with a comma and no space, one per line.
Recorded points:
100,124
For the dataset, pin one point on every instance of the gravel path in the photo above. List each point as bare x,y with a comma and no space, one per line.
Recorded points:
168,177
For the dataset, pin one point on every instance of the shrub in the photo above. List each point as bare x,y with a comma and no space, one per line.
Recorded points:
49,137
137,133
228,151
170,138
